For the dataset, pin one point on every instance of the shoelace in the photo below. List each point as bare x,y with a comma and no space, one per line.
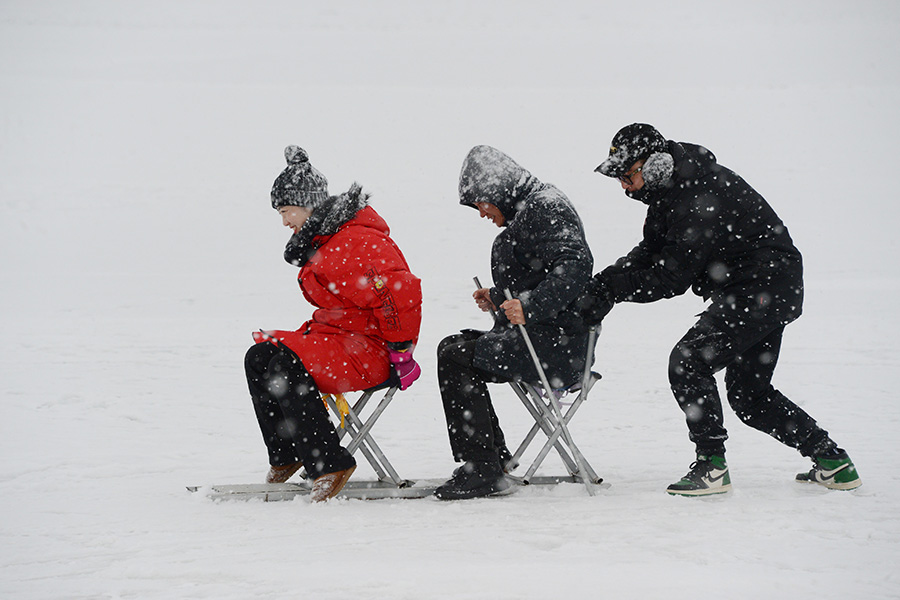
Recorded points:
700,471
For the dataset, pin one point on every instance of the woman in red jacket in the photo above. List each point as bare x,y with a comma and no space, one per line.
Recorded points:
362,333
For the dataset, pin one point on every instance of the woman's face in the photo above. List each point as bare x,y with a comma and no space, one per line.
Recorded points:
294,216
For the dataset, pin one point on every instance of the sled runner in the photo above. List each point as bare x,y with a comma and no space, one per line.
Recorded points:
276,492
391,485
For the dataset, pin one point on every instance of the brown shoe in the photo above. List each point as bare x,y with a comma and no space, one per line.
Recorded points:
328,485
283,473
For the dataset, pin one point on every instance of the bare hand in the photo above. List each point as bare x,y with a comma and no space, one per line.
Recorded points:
483,299
514,312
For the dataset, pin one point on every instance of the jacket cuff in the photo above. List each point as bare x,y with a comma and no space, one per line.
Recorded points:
400,346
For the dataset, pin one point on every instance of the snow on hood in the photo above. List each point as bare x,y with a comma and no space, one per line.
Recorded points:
489,175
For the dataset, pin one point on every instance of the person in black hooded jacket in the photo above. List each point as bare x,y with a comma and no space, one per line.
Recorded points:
543,259
708,230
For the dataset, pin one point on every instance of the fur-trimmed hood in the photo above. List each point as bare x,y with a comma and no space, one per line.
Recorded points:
325,220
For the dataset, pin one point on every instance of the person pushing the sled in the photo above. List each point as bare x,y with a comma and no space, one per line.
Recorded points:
707,229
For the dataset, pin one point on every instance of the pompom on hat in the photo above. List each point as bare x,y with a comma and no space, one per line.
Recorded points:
300,184
632,143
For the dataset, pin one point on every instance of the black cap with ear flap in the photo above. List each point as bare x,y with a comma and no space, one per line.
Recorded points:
632,143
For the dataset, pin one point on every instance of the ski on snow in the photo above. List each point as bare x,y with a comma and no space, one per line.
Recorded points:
362,490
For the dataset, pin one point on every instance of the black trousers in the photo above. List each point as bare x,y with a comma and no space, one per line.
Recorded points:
748,352
292,417
472,424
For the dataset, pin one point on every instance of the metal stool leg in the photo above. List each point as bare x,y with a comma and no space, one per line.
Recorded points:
363,438
353,431
541,423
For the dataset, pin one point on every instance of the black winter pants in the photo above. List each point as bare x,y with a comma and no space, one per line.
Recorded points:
472,424
748,353
292,417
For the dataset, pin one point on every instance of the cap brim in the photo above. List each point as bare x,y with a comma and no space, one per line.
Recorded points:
611,168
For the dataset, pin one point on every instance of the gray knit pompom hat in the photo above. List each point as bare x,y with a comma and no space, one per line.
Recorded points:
299,184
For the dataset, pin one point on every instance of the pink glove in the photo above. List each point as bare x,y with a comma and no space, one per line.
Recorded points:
405,366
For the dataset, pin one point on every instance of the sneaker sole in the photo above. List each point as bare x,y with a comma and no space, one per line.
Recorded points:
471,496
846,486
505,492
707,492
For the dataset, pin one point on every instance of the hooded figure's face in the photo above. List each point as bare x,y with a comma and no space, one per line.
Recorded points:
491,177
488,211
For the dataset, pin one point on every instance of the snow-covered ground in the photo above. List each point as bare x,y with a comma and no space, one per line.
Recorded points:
138,143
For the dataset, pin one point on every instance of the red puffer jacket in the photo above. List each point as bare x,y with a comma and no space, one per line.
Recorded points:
365,296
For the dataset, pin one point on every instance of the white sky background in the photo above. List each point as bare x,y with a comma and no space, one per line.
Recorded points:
190,103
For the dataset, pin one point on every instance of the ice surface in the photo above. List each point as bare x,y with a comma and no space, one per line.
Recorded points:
138,144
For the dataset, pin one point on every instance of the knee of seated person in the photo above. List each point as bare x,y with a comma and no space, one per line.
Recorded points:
258,356
456,350
445,343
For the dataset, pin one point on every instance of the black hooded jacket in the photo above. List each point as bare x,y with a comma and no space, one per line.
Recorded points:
542,257
707,229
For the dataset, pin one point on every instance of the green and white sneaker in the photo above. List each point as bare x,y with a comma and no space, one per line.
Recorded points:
708,475
837,473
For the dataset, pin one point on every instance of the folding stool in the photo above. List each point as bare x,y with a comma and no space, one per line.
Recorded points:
360,436
533,397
